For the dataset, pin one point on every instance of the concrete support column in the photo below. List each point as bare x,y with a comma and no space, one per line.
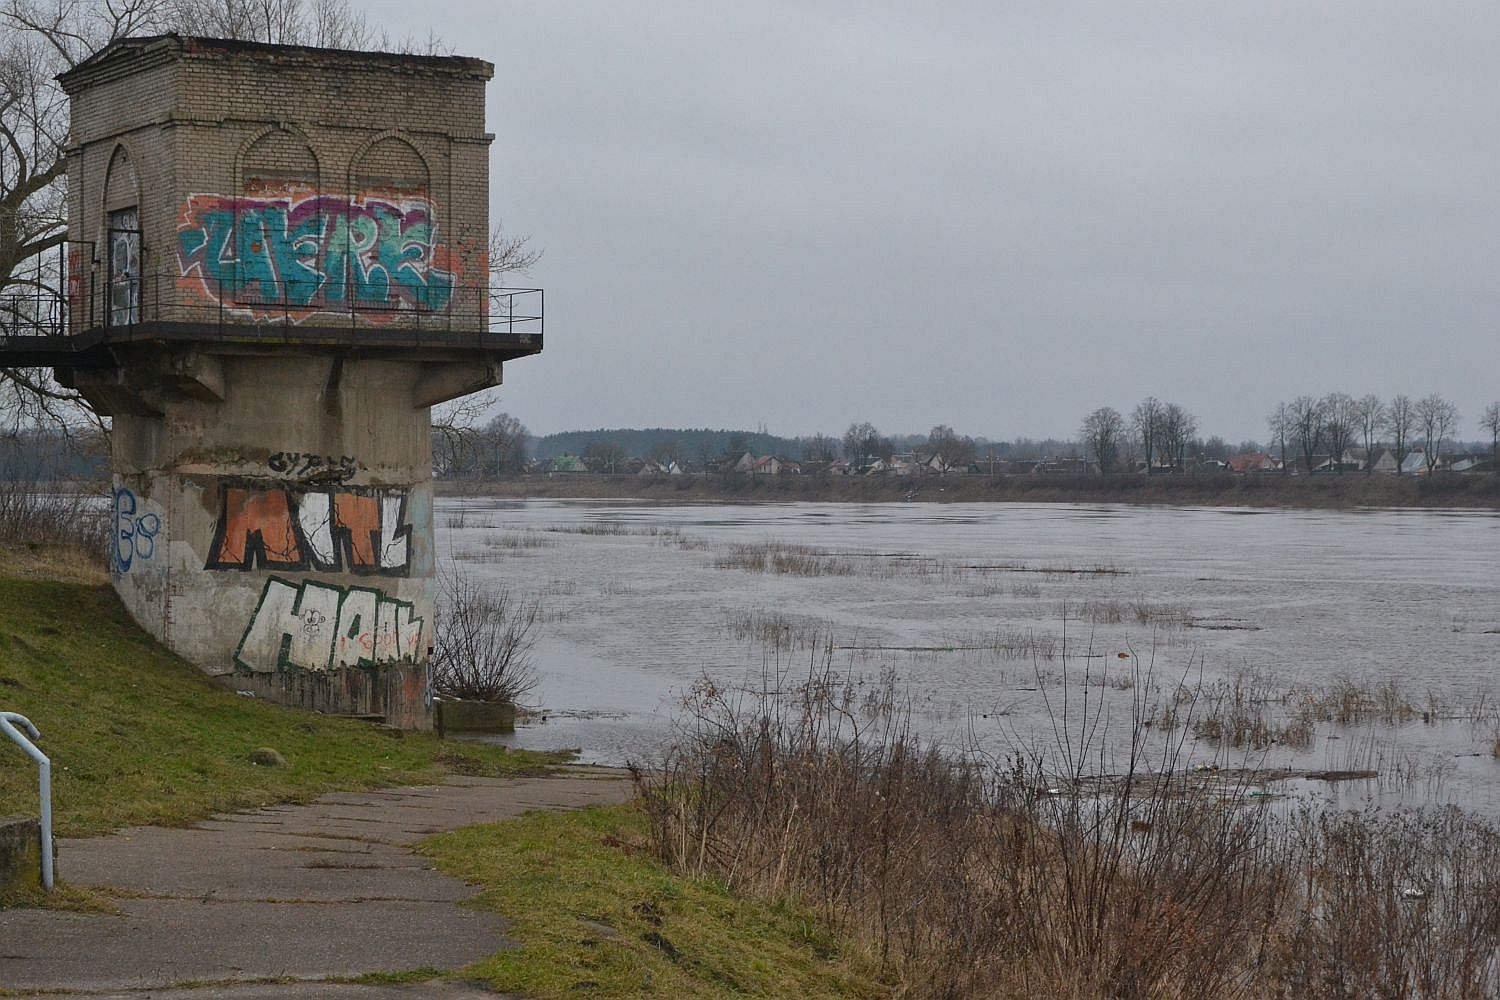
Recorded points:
272,523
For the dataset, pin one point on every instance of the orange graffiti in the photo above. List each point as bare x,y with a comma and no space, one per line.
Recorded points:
360,516
257,522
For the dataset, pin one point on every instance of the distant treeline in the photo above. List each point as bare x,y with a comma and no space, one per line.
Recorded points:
701,445
1216,489
694,443
46,455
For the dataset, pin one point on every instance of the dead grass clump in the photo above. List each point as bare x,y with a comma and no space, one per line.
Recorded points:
966,878
782,558
970,876
46,533
777,631
528,538
1347,701
1242,713
1139,610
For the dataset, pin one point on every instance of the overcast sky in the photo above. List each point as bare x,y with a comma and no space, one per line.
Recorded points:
995,216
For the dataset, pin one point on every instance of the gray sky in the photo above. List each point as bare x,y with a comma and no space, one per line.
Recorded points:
996,216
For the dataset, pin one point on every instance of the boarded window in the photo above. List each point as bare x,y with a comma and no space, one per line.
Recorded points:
124,267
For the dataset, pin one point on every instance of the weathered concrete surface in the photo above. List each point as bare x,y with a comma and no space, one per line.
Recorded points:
328,889
20,852
454,716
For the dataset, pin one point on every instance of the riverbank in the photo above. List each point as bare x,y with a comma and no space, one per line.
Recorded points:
211,883
1317,492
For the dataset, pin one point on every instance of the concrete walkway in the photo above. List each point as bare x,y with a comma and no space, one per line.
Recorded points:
304,893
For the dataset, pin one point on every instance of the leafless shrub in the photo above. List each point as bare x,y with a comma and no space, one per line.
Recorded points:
38,510
484,639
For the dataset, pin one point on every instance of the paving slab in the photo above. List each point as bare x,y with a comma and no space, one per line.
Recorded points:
327,889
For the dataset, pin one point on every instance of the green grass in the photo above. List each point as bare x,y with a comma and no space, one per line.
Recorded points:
139,736
595,914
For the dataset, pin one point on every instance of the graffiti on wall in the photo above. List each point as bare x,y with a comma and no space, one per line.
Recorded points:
297,253
132,532
318,626
297,465
350,529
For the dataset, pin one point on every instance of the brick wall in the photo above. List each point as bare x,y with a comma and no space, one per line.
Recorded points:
368,170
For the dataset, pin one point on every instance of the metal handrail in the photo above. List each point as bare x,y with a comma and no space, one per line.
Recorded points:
220,308
8,723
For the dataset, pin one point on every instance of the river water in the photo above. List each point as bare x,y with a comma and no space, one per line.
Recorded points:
1006,624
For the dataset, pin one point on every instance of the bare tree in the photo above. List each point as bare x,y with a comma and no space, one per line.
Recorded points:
1279,421
1307,425
329,24
1145,421
954,451
1339,426
819,448
1177,429
1369,417
1400,418
1100,436
1491,422
38,41
1437,419
863,442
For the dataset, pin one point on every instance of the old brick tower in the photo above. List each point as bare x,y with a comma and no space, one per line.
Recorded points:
278,265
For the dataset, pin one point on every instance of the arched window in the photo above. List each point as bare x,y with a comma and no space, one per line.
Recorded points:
279,218
122,240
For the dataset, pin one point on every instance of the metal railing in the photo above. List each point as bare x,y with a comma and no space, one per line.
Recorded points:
8,723
388,309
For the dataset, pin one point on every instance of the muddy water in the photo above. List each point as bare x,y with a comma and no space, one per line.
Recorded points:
1003,621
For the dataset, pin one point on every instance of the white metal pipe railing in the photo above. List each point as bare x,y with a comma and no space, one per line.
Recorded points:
8,723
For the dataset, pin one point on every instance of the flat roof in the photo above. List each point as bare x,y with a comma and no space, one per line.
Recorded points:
127,55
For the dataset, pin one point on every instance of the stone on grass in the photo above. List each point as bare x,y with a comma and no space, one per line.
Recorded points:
266,757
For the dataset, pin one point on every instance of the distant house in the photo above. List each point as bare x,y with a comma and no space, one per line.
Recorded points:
1347,462
1466,463
766,465
1385,464
1063,466
1415,463
1253,461
739,461
772,465
567,464
935,465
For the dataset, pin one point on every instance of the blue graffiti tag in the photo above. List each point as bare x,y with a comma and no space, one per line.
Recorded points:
134,536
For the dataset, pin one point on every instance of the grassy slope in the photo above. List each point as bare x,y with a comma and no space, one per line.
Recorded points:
593,912
137,735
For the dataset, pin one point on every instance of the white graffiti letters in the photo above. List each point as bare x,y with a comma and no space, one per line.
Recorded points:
291,628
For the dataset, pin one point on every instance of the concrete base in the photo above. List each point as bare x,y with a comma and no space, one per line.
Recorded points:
393,692
20,853
452,716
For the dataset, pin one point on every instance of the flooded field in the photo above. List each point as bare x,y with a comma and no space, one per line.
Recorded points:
1333,643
